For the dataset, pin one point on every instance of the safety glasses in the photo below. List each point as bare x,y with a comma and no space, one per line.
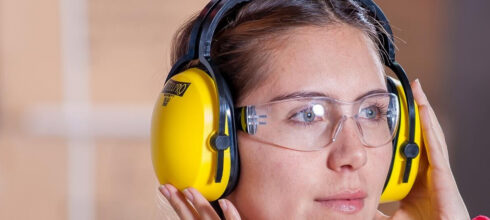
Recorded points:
311,123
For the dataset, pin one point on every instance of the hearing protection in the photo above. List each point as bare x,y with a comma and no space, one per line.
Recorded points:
193,131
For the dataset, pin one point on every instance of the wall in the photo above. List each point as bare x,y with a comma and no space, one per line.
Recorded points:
78,79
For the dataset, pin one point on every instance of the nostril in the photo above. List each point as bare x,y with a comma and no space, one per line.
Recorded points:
346,167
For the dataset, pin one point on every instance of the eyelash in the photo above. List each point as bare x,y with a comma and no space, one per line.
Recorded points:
380,108
304,124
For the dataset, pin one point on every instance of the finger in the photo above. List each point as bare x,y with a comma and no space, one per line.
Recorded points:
433,144
229,210
422,100
444,189
202,206
179,203
435,123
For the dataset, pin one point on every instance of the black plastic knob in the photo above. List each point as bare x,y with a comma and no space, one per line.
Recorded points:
411,150
220,142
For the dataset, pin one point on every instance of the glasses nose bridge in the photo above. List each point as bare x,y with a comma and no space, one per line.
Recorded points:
340,124
347,109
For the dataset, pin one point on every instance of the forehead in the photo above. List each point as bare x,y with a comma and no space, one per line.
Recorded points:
338,60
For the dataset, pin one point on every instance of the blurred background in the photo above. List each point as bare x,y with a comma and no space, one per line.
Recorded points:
78,79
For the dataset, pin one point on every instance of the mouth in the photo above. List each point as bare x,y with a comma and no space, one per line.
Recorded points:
348,202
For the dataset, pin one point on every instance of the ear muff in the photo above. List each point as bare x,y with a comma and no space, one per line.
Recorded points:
400,178
185,118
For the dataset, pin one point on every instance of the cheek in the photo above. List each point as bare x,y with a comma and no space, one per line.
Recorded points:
266,163
268,179
379,160
273,180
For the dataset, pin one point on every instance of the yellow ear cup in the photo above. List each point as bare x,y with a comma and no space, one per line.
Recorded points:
184,119
395,188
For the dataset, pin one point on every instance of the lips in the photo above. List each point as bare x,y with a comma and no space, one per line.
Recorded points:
349,202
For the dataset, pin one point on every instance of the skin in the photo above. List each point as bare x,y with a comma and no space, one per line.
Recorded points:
278,183
345,66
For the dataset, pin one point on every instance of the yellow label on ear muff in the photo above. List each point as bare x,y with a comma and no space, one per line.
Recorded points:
184,119
396,189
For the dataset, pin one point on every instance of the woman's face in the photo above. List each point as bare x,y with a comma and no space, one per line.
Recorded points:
278,183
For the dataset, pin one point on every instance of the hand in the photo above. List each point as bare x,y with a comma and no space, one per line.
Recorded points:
190,204
435,194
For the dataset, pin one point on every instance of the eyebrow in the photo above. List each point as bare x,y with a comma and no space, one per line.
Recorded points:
307,94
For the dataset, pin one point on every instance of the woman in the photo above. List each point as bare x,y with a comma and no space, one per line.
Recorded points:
280,51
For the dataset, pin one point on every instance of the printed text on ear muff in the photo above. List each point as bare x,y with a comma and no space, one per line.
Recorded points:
173,88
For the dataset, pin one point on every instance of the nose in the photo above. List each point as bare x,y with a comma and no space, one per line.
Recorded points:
347,151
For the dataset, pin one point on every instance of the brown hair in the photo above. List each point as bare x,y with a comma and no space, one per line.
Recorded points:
243,42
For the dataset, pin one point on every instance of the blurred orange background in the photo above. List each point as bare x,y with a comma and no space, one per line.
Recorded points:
78,79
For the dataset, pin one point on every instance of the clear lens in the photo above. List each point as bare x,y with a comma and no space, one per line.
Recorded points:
377,119
307,123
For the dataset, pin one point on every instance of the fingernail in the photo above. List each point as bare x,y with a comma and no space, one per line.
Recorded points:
223,204
418,82
165,191
419,85
188,195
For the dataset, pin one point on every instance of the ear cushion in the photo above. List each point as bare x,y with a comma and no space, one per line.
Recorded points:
184,119
395,189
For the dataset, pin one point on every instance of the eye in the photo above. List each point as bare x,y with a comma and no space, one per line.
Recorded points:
372,112
310,114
